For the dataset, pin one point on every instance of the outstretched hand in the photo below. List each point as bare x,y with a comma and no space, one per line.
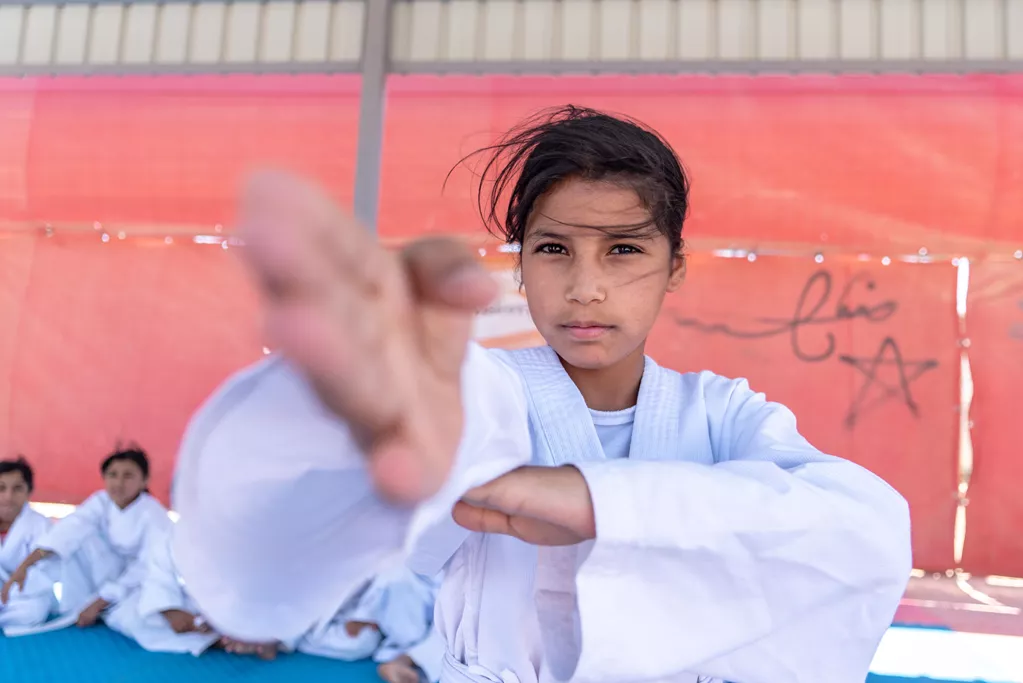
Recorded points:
381,336
538,505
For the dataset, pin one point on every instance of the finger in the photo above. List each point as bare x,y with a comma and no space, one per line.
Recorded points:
278,246
448,279
482,520
284,217
445,271
553,495
400,472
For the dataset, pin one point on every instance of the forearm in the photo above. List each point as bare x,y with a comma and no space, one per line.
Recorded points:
742,570
34,558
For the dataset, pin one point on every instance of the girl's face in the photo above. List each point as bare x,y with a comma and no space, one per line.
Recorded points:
13,496
124,482
593,295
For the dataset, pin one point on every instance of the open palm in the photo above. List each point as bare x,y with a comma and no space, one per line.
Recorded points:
380,335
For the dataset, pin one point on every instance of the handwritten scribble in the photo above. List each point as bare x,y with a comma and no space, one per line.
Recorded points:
888,376
812,310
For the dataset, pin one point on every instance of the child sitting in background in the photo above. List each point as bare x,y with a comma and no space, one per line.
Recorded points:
100,543
21,528
391,621
161,616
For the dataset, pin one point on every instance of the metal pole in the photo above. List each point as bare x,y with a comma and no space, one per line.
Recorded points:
376,44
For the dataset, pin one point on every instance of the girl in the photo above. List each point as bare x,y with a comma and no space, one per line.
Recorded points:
21,527
600,518
161,616
100,543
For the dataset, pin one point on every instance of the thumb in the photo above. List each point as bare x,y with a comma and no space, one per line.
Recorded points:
445,271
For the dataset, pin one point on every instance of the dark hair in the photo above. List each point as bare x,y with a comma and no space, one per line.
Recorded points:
133,454
575,142
20,465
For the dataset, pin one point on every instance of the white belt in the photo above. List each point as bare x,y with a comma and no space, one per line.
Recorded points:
454,671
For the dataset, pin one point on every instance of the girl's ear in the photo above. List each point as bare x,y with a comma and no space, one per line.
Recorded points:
678,272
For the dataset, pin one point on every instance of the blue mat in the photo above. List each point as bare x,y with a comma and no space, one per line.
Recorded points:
99,655
896,679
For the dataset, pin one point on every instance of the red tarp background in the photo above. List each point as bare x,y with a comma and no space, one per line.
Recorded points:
864,162
101,342
123,339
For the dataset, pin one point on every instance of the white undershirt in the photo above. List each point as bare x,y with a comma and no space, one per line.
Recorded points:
614,429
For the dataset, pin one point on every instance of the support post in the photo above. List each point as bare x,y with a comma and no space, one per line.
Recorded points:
376,48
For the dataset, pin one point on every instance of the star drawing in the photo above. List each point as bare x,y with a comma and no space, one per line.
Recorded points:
880,385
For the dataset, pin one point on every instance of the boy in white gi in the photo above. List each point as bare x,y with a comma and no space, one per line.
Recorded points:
21,527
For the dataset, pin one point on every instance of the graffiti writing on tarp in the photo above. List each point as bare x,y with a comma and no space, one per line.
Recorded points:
887,375
814,310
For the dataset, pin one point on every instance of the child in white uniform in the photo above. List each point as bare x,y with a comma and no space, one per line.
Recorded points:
161,616
719,545
99,545
21,527
391,620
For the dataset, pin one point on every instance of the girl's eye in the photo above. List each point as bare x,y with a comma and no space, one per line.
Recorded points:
550,248
625,249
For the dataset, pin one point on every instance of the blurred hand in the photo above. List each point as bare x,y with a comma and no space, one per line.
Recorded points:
381,336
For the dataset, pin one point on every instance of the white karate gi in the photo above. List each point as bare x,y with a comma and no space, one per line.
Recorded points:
401,603
140,615
99,547
727,547
31,605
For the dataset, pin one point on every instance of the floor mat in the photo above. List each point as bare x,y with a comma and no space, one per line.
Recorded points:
99,655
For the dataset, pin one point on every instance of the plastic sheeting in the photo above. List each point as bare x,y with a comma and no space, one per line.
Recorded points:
122,339
167,151
117,341
845,162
